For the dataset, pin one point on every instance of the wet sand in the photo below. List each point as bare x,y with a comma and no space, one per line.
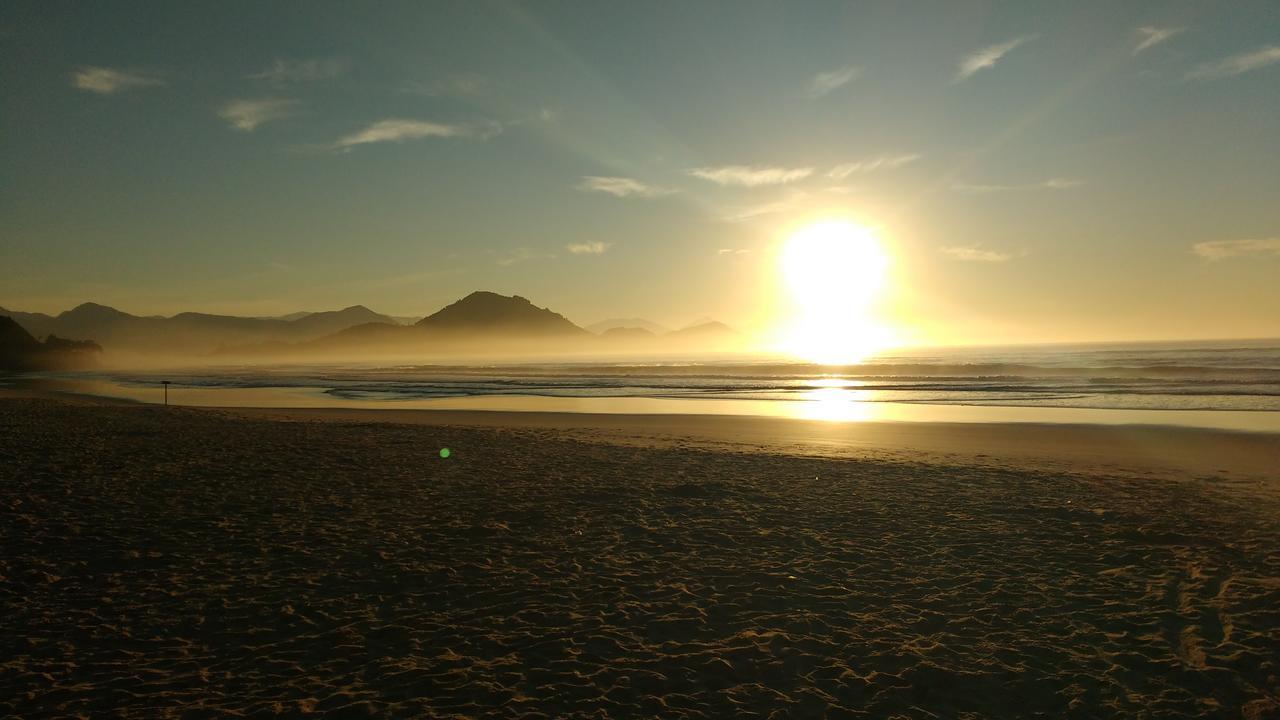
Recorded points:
187,563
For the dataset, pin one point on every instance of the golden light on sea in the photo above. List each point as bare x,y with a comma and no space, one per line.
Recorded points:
833,272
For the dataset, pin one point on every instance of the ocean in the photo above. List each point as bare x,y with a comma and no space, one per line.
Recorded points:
1194,377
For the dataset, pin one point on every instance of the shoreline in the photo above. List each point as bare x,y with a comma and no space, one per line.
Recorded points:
1132,450
1232,456
833,405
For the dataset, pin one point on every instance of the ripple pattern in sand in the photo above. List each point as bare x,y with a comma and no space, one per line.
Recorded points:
183,564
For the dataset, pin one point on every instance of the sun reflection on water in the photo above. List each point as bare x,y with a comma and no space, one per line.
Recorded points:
837,400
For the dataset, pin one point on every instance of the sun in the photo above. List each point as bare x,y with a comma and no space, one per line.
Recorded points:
833,272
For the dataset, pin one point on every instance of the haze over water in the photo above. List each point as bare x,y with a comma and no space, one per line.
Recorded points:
1230,379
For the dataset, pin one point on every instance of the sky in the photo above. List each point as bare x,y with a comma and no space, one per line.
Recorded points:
1034,171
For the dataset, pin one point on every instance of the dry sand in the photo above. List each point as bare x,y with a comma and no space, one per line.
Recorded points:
169,562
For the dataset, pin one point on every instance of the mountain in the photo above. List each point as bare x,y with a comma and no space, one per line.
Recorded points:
704,320
628,333
707,329
354,315
14,339
489,313
19,351
105,324
192,333
605,326
326,323
38,324
707,336
483,323
480,322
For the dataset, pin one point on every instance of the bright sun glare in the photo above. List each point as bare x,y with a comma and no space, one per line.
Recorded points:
834,271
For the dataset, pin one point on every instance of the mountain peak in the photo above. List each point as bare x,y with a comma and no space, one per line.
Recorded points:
606,325
708,327
92,309
14,337
490,296
483,310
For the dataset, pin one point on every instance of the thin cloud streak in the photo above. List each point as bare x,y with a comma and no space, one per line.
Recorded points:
825,83
1222,249
293,71
791,203
1050,184
747,176
464,85
590,248
246,115
519,255
1237,64
1149,37
620,187
399,130
973,254
109,81
987,57
883,162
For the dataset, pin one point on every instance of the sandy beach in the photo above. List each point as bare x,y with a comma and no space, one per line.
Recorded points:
171,562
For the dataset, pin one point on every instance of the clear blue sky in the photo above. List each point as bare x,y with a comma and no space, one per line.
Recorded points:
1071,171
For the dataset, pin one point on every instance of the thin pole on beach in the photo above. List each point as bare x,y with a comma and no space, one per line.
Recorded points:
165,383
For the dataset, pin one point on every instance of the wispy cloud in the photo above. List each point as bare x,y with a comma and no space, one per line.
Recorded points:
109,81
621,187
1237,64
247,114
399,130
589,248
1149,37
507,258
732,251
458,85
1050,184
291,71
883,162
987,57
974,254
747,176
826,82
792,202
1221,249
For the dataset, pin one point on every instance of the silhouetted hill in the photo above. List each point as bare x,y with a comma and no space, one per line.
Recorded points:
13,338
367,334
710,335
489,313
482,322
706,329
19,351
38,324
628,333
605,326
326,323
191,333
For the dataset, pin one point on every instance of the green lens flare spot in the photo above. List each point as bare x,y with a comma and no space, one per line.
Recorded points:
444,452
